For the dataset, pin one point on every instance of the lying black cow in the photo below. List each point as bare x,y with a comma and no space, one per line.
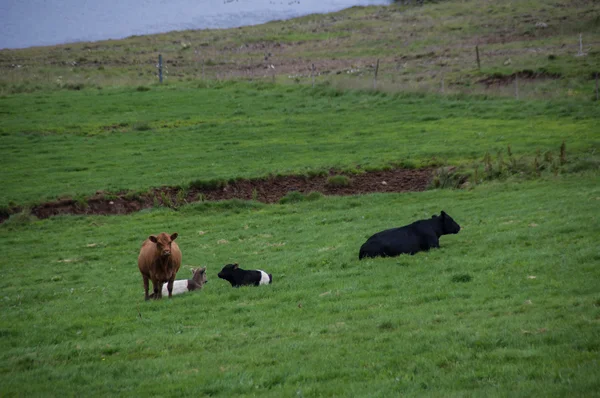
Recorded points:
233,274
419,236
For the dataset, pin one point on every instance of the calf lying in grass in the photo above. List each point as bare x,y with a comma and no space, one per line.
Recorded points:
187,285
239,277
419,236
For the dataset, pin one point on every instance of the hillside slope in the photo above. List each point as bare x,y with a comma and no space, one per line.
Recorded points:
430,47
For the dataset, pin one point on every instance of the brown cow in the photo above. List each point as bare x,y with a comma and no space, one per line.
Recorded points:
159,261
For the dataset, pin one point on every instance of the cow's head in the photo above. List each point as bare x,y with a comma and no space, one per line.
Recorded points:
163,243
227,272
199,275
449,226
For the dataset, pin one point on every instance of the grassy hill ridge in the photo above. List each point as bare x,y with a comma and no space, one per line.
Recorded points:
418,47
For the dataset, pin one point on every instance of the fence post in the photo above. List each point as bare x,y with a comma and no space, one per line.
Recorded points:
375,77
442,83
478,61
516,86
597,97
160,68
312,74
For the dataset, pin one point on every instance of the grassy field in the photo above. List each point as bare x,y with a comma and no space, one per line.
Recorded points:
77,142
509,306
418,47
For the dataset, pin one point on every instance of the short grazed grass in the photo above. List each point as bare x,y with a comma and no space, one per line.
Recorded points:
509,306
75,143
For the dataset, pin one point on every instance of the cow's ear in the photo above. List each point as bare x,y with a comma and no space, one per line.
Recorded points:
235,266
152,238
443,213
203,269
174,235
434,216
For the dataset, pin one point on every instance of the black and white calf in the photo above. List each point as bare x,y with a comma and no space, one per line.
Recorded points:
419,236
187,285
233,274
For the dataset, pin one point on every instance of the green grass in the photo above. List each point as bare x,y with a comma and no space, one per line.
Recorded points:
77,142
339,181
509,306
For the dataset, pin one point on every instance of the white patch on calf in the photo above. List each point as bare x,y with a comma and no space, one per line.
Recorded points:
180,286
264,278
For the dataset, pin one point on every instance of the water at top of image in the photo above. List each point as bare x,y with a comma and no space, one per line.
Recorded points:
25,23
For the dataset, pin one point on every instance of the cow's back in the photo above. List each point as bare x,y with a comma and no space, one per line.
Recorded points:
395,241
179,287
391,242
247,277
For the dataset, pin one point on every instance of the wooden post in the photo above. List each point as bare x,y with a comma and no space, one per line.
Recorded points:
375,77
580,45
160,68
478,61
202,68
442,83
597,96
312,74
516,86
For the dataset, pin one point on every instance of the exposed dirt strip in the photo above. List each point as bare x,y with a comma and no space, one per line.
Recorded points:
267,190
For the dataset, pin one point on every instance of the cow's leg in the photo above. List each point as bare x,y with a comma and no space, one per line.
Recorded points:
170,286
429,241
388,251
157,289
146,287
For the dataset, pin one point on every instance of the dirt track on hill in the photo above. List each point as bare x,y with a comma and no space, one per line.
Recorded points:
267,190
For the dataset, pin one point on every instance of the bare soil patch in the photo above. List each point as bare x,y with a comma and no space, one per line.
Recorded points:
268,190
524,75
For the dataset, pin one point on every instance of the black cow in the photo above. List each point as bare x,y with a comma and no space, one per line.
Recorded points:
419,236
239,277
